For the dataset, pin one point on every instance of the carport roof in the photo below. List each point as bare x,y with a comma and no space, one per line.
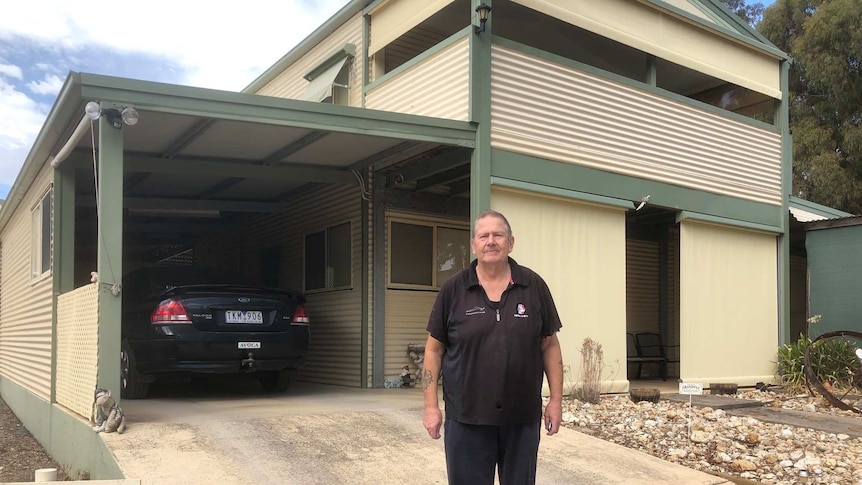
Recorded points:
224,139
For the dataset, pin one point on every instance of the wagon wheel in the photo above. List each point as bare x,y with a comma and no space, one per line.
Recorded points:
833,368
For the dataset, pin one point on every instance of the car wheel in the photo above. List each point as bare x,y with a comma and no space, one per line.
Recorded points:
131,385
275,381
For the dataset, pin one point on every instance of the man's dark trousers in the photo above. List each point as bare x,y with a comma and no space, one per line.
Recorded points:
473,451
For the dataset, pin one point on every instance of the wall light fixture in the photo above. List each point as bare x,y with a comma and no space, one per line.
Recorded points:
482,12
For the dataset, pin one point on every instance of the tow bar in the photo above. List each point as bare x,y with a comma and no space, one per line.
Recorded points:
248,363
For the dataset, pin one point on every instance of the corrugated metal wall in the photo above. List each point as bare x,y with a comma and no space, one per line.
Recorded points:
406,318
556,112
642,286
77,348
336,316
834,267
438,86
290,83
25,304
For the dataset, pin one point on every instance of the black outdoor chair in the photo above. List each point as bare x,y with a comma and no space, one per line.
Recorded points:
646,348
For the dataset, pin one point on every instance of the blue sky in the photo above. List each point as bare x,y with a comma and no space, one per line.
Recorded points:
221,45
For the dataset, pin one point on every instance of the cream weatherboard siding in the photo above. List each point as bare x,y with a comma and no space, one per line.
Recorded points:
548,110
437,86
728,304
580,250
670,37
291,83
406,319
25,303
336,315
77,348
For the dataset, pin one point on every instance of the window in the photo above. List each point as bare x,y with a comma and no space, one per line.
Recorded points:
426,255
41,230
328,259
329,81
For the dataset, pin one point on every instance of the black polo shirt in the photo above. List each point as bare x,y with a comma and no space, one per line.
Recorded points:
492,366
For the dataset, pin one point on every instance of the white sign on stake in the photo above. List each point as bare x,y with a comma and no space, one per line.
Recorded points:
690,388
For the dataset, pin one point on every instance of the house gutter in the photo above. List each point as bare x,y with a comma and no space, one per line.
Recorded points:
68,101
330,26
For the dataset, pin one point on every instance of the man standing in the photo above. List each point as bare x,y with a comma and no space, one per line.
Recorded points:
492,332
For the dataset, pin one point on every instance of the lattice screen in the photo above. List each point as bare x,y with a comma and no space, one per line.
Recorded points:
77,348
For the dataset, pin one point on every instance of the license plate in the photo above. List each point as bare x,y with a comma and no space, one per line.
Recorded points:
237,316
248,345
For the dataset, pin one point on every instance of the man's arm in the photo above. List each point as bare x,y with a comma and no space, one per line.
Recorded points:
433,418
553,359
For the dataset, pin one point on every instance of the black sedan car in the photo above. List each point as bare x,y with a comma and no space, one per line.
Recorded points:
179,320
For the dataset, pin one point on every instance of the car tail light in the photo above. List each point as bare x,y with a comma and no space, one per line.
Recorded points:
170,311
300,316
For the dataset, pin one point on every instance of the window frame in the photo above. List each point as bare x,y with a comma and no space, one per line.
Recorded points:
41,264
326,255
432,264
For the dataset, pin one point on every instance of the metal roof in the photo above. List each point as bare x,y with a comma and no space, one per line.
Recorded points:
207,148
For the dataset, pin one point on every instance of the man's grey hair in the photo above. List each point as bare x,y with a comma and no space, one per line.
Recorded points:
491,213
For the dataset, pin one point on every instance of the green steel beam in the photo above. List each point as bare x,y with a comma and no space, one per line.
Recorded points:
683,215
165,204
559,175
210,103
378,324
365,230
63,258
240,170
480,111
783,123
110,254
426,168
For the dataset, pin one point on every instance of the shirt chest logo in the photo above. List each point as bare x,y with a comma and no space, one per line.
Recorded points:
521,311
476,310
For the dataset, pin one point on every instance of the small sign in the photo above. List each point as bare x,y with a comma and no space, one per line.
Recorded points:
690,388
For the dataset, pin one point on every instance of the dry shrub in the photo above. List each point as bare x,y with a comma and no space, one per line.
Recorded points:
588,386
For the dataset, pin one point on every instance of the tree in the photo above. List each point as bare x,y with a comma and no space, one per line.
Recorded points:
824,42
750,13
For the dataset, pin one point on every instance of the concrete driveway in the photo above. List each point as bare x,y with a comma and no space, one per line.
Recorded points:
314,434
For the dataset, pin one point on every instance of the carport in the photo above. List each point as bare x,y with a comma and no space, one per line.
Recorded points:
201,172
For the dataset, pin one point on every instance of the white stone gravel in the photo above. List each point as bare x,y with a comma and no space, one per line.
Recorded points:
712,441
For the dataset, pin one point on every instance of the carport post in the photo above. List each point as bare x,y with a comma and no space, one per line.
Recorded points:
110,251
480,113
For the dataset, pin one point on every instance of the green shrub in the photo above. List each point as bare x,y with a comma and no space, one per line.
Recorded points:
833,360
791,364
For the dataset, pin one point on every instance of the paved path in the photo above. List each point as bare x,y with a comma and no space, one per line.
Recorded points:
327,434
849,425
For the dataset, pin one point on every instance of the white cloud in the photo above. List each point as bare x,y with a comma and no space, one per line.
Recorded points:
11,71
22,118
218,45
222,45
50,84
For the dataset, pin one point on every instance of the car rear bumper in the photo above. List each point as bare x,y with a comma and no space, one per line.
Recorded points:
221,353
